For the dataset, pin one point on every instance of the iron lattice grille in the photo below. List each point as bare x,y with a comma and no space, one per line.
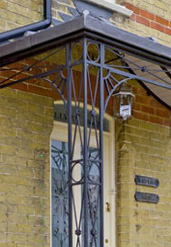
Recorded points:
60,193
85,72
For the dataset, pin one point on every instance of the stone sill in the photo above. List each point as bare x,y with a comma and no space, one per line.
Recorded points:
112,6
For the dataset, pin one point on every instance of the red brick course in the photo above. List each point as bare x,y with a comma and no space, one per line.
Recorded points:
149,19
148,108
145,107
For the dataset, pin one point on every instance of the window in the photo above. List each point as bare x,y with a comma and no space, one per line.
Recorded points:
59,185
102,1
110,1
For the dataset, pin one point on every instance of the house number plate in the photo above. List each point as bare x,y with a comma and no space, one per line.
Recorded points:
146,197
146,181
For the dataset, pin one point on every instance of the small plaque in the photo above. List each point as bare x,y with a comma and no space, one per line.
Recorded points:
146,197
146,181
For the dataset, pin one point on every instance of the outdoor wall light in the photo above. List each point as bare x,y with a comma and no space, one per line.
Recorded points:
123,102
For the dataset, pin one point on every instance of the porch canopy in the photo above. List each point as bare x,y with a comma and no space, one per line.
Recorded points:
86,61
143,56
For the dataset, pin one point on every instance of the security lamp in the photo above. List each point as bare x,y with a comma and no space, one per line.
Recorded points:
123,102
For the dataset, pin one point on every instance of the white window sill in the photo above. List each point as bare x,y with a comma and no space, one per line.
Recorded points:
112,6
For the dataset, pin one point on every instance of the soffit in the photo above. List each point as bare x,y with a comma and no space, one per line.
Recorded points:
153,72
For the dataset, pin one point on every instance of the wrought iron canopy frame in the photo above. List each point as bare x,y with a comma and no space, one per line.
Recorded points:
103,69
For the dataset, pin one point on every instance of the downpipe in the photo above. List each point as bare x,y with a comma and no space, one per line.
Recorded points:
18,32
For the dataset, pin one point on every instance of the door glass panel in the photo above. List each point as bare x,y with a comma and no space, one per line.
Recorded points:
94,197
59,191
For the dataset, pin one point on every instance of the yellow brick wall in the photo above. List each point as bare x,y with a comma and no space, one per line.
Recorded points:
143,148
161,8
61,6
25,122
17,13
141,30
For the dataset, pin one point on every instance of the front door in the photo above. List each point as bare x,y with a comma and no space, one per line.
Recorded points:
59,188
